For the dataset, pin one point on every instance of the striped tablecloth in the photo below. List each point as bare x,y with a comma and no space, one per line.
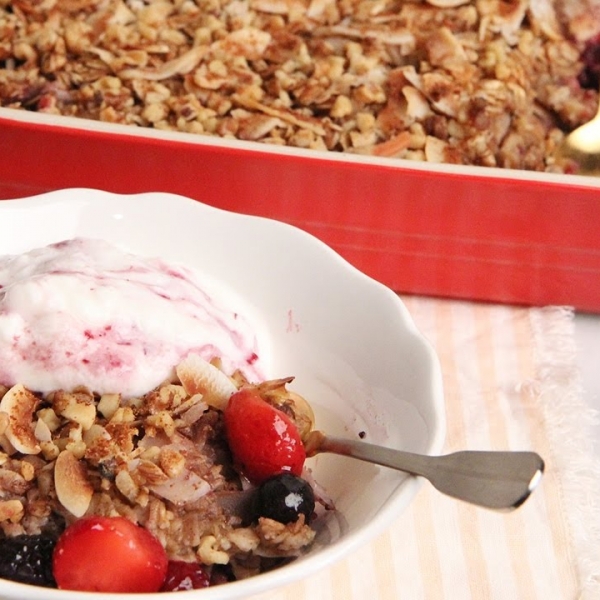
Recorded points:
510,383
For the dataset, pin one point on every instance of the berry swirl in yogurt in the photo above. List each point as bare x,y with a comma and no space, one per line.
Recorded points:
83,312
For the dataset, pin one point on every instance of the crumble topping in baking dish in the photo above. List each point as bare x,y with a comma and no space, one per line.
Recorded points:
482,82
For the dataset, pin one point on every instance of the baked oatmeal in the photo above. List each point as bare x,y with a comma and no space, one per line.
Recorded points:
481,82
185,462
140,448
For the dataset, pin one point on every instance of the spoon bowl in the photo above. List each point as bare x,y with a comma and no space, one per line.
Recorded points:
582,146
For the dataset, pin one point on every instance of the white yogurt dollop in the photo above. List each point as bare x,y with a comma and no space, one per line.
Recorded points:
83,312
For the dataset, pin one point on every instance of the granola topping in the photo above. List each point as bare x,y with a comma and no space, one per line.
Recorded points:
160,460
482,82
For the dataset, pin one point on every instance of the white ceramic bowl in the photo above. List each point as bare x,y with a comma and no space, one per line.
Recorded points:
349,341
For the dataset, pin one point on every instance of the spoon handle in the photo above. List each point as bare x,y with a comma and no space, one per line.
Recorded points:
496,480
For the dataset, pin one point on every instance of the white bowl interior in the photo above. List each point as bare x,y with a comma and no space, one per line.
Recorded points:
349,341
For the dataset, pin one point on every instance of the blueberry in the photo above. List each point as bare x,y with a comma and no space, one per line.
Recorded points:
284,498
28,559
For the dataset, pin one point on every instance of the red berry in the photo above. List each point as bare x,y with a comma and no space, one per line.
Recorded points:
183,575
109,554
263,440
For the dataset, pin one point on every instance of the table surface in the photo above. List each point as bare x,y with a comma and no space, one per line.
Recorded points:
587,336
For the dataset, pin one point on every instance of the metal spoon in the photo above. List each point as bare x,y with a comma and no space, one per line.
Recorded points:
496,480
582,146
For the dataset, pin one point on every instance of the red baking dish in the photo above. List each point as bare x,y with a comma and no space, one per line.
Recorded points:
462,232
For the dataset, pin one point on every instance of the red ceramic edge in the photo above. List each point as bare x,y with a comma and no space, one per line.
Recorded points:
419,232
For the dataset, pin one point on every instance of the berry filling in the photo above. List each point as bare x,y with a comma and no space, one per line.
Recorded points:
589,77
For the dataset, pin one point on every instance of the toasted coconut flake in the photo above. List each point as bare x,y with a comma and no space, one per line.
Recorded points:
400,37
505,18
393,146
181,65
73,489
19,404
186,487
281,113
191,411
198,376
4,422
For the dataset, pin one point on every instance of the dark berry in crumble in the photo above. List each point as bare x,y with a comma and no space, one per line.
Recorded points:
284,498
28,559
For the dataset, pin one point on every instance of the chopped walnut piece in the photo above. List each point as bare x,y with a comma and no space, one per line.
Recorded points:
11,510
78,407
245,539
108,405
171,461
284,539
126,485
12,482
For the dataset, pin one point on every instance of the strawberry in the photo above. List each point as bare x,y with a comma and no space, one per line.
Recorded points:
263,440
109,554
183,575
